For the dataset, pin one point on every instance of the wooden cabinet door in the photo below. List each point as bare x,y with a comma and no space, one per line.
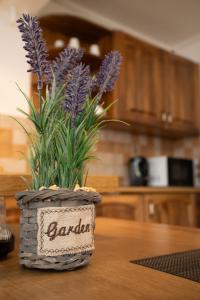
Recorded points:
12,210
181,80
173,209
156,89
138,91
121,207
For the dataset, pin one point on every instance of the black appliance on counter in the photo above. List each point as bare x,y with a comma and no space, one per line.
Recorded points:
138,171
170,171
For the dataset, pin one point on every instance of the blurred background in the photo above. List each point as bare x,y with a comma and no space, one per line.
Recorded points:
157,92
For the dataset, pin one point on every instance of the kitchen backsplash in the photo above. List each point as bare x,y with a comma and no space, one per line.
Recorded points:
114,149
13,143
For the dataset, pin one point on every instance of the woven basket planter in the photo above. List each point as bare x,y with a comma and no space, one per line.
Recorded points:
56,228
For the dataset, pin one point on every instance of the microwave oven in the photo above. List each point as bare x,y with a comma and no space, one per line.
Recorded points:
168,171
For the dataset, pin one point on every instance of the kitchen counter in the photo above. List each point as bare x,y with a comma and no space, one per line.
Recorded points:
158,190
10,184
149,190
110,275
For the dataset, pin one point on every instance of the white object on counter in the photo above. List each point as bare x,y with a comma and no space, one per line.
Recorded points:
158,171
196,168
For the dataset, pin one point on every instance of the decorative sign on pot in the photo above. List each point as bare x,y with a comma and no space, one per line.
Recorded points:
65,230
57,213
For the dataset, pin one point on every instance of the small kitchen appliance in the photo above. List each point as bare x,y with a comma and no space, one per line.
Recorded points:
138,171
169,171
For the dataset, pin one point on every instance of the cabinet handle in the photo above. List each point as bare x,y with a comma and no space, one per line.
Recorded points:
170,118
164,117
151,209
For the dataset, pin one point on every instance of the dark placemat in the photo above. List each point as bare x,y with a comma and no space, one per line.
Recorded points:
183,264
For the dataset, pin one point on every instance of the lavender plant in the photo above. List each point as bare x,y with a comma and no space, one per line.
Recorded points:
35,46
65,62
66,123
77,89
108,73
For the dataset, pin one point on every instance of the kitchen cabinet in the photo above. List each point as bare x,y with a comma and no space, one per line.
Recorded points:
156,89
12,210
137,86
180,93
166,205
173,209
128,207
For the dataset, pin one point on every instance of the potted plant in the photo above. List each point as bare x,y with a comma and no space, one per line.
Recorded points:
57,211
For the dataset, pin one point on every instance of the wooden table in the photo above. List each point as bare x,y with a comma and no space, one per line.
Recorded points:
110,275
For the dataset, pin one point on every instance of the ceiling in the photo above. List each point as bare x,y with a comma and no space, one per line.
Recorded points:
170,21
173,23
15,8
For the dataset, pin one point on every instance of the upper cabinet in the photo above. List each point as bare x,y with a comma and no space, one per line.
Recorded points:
182,91
137,86
157,91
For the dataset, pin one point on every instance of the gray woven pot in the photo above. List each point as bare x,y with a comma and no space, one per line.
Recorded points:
30,203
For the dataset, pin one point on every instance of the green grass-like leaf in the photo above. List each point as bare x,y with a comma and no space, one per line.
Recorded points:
59,152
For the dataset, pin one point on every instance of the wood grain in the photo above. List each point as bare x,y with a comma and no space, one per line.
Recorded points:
157,190
122,202
157,90
122,207
173,209
11,184
110,274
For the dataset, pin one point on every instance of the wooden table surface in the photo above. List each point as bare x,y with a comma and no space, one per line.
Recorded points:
110,275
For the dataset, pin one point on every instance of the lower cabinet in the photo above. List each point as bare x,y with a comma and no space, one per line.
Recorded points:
12,210
172,209
121,206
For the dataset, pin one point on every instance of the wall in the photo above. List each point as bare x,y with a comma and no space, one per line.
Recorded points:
116,148
113,151
13,146
189,47
12,59
13,65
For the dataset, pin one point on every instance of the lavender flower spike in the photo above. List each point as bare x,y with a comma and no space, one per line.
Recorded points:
108,73
65,62
35,46
77,89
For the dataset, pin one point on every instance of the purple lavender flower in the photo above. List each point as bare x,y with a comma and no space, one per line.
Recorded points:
77,90
65,62
35,46
108,73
